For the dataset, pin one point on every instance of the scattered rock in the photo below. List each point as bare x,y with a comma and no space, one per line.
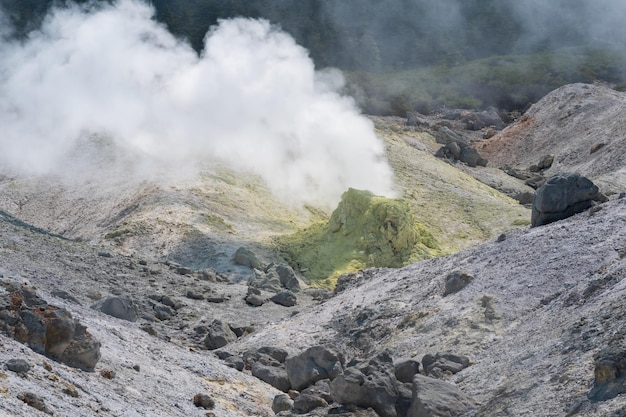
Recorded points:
235,362
432,397
596,147
19,366
562,196
405,370
307,402
247,258
282,402
219,335
312,365
71,391
120,307
163,312
370,384
49,330
34,401
267,281
457,148
254,297
456,281
609,374
285,298
275,376
65,296
204,401
278,354
107,373
194,295
444,362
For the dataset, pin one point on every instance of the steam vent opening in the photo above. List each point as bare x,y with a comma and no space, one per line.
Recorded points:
364,231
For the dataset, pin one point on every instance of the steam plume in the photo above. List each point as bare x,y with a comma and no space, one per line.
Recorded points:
111,82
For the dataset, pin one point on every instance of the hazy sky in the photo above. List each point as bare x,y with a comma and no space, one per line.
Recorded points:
93,87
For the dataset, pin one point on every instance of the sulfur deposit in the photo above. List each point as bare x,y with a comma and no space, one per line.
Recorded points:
364,231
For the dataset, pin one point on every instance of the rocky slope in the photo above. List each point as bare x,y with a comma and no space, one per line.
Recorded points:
515,321
581,125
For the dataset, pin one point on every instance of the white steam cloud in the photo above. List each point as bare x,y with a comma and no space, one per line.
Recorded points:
110,78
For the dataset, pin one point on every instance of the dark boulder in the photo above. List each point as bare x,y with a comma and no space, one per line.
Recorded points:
312,365
442,363
609,374
562,196
434,398
246,257
457,148
282,402
405,370
456,281
369,384
49,330
119,307
219,335
285,298
273,375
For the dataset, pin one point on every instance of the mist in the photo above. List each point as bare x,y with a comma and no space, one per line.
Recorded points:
105,85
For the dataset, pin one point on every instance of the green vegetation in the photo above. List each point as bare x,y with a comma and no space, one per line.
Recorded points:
506,82
421,54
364,231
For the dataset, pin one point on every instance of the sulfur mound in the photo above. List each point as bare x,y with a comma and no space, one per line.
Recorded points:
364,231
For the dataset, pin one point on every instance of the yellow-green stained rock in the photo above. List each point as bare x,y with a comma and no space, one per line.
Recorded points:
364,231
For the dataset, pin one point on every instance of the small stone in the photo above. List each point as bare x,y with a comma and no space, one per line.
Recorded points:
71,391
502,237
203,401
456,281
282,402
149,329
194,295
137,368
19,366
34,401
107,373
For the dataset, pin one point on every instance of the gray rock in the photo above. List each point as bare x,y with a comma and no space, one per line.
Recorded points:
119,307
285,298
609,374
562,196
83,352
312,365
219,335
405,370
254,297
308,402
282,402
204,401
34,401
267,281
278,354
163,312
456,281
321,389
235,362
194,295
436,398
48,330
275,376
287,277
19,366
444,362
457,148
247,258
370,384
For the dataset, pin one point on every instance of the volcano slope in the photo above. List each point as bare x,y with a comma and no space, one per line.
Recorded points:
542,305
582,125
200,221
